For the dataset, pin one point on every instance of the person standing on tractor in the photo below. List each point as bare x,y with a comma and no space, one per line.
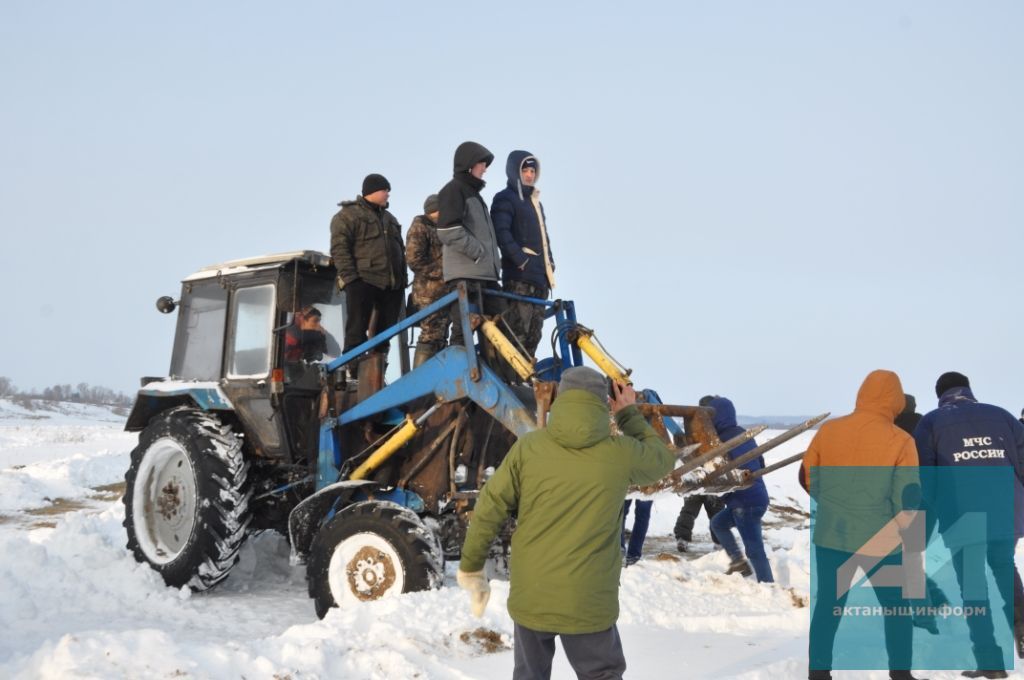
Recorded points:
423,252
566,483
367,249
527,267
469,250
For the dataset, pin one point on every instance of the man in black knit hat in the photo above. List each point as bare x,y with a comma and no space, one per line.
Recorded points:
368,252
964,433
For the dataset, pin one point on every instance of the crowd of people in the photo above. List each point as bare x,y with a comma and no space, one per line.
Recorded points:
567,483
457,239
567,549
930,460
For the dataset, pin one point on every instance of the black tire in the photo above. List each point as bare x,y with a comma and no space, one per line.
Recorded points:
372,550
186,498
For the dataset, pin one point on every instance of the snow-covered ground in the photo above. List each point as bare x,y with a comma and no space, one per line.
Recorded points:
75,604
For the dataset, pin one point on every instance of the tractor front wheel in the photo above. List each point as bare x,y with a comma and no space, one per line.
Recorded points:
369,551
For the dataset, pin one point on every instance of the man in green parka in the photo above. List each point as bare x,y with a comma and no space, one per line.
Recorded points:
566,484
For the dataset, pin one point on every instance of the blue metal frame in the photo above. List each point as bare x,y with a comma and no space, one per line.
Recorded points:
386,335
446,375
452,374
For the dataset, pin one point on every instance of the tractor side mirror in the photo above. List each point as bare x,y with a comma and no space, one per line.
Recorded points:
166,304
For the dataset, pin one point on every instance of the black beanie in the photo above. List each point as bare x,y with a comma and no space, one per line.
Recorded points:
374,183
948,381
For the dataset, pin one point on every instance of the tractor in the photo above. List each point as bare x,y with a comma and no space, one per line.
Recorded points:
369,468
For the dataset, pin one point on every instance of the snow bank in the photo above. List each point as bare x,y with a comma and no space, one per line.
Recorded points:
74,602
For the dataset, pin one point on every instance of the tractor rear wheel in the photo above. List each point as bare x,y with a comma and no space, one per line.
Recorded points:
187,498
369,551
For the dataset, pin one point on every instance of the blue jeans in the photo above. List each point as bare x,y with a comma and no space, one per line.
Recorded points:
747,521
640,523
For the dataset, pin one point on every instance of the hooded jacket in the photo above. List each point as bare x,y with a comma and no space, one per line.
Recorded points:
520,225
366,243
725,425
963,433
566,483
908,418
852,505
470,247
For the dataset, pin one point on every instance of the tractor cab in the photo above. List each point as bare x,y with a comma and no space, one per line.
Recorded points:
253,337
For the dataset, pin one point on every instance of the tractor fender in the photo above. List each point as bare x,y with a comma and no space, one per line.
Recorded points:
159,396
306,517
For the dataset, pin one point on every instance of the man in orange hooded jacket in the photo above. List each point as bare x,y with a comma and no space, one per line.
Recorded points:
852,508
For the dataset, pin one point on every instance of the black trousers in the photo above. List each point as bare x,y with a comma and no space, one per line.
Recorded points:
594,656
361,299
691,508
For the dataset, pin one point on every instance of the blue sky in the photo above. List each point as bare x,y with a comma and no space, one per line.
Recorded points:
763,200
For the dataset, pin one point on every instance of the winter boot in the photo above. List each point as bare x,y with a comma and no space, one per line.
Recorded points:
740,566
985,674
819,675
682,545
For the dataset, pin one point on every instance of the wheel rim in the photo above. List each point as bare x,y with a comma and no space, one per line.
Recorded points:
164,501
364,567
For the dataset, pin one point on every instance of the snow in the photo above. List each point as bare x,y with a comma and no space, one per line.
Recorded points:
74,602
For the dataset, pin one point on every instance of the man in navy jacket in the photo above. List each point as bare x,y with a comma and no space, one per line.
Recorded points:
527,267
962,433
744,508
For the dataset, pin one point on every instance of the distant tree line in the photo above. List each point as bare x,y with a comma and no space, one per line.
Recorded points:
82,393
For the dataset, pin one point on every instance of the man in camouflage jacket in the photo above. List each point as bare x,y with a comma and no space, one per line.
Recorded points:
423,253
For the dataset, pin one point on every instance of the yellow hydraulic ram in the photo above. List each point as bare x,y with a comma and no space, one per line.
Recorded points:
515,358
399,439
584,338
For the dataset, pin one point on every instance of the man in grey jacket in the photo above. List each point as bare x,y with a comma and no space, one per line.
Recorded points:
469,247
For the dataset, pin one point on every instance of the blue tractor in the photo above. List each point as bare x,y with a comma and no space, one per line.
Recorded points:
371,480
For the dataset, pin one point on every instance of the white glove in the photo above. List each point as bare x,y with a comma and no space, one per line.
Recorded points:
478,587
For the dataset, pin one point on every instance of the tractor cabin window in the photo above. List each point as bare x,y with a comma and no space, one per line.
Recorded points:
252,331
199,341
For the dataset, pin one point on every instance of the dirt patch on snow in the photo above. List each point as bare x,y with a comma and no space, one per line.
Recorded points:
485,640
58,506
109,492
783,515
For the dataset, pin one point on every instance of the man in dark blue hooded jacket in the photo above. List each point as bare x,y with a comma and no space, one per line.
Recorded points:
527,267
963,433
744,508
